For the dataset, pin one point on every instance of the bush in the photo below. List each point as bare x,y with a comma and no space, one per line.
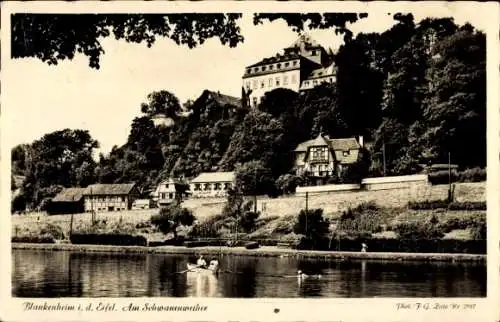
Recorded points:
428,204
52,230
366,217
468,175
287,183
472,175
409,245
415,231
311,223
467,205
42,239
444,204
171,217
108,239
252,245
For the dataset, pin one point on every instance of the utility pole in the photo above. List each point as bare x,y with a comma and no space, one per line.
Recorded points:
307,209
383,156
449,178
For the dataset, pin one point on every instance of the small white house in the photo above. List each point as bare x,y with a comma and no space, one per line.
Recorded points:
212,184
164,194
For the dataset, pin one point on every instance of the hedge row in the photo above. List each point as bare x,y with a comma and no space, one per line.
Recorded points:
469,175
444,204
398,245
43,239
108,239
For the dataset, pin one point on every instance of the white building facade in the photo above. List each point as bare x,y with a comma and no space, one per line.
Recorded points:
211,184
304,65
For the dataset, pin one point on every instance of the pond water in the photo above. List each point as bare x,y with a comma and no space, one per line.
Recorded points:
38,273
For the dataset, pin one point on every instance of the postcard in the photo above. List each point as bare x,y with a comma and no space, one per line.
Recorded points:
250,161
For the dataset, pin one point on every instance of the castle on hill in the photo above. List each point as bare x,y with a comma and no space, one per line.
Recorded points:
302,66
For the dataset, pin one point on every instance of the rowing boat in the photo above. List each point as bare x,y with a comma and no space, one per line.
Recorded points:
212,268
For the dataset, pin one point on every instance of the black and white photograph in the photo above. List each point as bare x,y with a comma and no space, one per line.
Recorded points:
247,153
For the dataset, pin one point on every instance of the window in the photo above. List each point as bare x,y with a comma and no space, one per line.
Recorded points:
320,154
278,66
285,80
262,84
270,82
197,187
207,186
217,186
163,195
315,82
295,62
306,83
123,198
249,70
277,81
294,79
227,186
271,67
263,68
171,195
287,64
166,186
345,153
320,73
313,53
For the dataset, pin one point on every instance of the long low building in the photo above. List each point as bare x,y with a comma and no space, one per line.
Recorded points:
212,184
110,197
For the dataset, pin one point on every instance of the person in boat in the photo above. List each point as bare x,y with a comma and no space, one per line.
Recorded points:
302,275
201,262
214,264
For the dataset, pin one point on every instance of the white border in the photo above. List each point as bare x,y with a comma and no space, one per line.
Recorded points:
262,309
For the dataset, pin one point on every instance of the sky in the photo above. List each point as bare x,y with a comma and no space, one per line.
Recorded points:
105,101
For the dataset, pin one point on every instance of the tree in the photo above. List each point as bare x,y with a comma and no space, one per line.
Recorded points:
455,104
172,217
278,101
161,102
312,225
287,183
239,212
253,178
259,137
55,37
62,158
18,158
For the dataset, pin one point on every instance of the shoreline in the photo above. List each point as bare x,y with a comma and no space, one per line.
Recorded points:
265,251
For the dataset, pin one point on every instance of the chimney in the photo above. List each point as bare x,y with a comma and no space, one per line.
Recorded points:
360,140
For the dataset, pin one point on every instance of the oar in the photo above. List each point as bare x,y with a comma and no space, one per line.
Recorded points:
189,269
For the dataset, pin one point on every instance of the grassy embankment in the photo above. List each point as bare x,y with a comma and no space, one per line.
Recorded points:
277,219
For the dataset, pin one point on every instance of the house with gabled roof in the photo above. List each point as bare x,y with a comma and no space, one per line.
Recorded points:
322,157
212,184
68,201
110,197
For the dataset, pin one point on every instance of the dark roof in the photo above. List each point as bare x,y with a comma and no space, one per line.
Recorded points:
276,59
109,189
223,99
334,144
69,195
344,144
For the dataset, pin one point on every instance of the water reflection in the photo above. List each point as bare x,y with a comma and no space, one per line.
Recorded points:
66,274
